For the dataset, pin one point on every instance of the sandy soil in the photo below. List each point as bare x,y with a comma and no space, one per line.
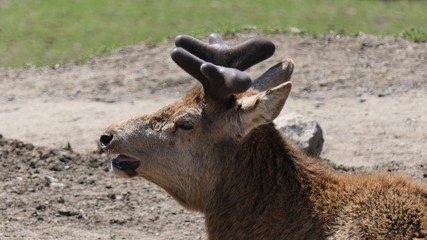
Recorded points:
368,94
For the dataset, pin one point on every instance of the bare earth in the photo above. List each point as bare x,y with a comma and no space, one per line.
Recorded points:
368,94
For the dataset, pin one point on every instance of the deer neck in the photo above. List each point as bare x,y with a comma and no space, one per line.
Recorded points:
263,187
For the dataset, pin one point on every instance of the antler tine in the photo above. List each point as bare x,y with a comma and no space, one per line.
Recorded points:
223,82
189,63
241,56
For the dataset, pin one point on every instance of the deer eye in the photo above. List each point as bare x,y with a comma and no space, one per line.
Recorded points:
184,125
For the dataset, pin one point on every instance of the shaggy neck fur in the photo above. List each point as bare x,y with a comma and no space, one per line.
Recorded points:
270,199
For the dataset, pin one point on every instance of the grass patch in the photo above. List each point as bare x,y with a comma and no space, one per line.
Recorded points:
415,35
44,32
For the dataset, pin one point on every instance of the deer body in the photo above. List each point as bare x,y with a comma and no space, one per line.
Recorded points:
217,151
254,204
283,194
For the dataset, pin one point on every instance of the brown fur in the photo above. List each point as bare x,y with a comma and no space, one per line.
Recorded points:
283,194
255,185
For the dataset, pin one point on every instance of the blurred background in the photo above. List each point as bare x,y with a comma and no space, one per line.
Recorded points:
47,32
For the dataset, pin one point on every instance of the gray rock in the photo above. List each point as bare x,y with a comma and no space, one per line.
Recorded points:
302,130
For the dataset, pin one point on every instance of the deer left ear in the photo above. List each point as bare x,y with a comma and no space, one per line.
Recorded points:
263,107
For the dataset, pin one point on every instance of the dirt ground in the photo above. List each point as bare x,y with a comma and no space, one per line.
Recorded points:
367,93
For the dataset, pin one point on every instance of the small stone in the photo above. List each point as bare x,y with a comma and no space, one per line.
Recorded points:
112,196
55,66
41,207
53,182
60,200
50,180
295,30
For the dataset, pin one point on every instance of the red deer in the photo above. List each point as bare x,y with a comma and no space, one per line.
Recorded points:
217,151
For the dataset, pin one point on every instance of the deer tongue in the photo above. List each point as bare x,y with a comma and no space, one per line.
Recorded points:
123,162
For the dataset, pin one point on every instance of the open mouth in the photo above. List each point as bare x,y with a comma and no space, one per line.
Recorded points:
123,162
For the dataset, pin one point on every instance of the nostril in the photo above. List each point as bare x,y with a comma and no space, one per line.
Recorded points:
105,139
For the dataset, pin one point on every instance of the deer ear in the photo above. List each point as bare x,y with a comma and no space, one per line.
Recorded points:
276,75
263,107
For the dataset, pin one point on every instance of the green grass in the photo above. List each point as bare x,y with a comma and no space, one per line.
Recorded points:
415,34
44,32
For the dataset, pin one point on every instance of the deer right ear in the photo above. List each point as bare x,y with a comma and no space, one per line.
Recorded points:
276,75
263,107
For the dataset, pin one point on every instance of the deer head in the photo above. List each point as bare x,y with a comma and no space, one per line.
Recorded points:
184,146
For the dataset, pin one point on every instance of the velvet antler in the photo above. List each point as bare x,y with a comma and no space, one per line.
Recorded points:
219,66
241,56
218,82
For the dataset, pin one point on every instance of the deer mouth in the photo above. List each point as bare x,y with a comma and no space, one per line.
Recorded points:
125,163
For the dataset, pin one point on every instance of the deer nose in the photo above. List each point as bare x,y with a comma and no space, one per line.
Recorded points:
105,139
